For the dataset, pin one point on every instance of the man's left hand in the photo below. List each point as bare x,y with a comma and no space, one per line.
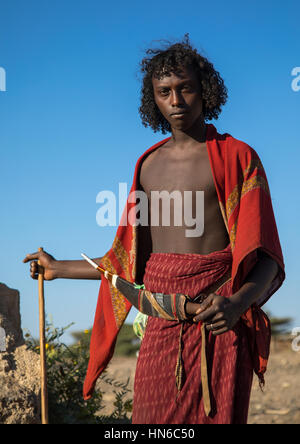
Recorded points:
220,314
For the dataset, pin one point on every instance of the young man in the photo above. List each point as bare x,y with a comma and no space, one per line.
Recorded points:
197,368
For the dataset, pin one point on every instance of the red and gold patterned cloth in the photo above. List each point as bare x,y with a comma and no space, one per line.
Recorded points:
246,206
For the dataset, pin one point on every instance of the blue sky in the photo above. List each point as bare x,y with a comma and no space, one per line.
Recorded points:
69,124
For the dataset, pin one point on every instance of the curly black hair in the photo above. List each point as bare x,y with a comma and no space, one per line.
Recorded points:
171,60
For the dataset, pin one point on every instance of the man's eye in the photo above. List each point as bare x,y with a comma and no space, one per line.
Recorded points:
164,92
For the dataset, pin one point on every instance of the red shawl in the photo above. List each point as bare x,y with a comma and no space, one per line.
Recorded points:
246,206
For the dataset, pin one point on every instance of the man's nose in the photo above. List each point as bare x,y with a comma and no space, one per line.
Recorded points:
176,98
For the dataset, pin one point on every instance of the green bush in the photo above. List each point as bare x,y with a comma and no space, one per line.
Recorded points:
127,342
66,369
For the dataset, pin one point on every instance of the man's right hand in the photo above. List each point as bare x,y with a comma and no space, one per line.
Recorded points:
47,262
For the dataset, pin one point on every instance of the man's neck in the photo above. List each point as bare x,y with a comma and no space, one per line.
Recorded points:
197,133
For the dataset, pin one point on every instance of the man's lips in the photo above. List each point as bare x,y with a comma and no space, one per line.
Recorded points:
178,115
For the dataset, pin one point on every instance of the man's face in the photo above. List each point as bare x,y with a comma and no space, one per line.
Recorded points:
179,98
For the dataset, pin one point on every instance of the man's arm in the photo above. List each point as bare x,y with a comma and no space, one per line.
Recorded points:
77,270
54,269
258,281
221,314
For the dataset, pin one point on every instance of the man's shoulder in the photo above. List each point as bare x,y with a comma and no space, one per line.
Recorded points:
152,148
145,159
238,148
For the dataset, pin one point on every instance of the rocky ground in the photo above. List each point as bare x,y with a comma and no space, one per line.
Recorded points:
280,401
278,404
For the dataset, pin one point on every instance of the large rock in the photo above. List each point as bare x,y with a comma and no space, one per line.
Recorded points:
19,367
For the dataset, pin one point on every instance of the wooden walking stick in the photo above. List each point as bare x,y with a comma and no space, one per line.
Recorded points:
44,394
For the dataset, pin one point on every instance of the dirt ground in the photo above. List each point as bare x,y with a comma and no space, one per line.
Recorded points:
279,403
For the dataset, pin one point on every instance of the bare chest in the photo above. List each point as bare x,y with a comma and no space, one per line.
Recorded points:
178,171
